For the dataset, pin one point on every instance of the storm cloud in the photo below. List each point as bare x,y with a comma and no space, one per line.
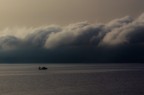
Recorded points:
120,40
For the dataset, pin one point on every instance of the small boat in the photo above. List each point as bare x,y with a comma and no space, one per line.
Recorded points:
42,68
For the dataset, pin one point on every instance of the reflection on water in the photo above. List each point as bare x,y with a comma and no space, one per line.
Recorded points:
106,79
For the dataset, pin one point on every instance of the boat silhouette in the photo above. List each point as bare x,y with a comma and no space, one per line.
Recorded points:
42,68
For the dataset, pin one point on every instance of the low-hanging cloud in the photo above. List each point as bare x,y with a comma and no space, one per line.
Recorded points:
97,40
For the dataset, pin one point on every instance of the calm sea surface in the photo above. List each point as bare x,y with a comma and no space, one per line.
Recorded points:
110,79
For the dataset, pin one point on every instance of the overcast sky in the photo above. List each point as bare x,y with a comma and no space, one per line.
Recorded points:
44,12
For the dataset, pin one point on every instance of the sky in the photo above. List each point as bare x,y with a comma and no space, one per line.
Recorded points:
34,13
72,31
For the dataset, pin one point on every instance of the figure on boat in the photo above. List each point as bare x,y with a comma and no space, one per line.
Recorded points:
42,68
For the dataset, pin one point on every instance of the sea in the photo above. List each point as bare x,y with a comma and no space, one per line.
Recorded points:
72,79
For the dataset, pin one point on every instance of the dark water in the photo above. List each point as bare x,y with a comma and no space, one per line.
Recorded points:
72,80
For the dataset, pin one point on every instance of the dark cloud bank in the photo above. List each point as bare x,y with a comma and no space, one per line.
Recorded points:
119,41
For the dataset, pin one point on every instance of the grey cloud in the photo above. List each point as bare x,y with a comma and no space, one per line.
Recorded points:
119,31
119,22
9,43
119,39
129,33
39,36
74,35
